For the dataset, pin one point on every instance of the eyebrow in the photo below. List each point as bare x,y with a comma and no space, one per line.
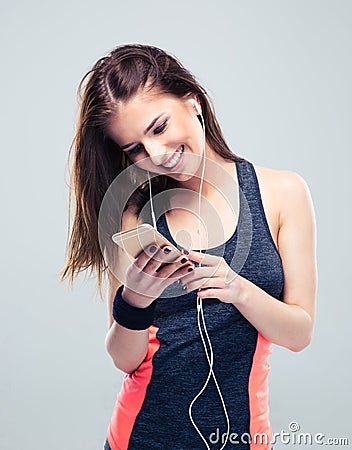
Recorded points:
145,132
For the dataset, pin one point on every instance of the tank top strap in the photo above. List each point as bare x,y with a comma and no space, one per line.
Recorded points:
248,186
252,205
248,182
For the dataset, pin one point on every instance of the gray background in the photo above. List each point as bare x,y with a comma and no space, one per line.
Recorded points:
279,73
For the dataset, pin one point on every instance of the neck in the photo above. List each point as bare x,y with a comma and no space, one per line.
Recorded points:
214,175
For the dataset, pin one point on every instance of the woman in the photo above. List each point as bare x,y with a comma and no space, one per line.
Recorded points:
143,113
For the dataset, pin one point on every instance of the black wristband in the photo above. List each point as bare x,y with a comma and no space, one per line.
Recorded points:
130,316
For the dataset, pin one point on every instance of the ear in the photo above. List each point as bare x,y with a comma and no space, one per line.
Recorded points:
196,105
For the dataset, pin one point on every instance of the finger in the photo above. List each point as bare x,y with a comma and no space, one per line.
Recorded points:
170,268
202,273
152,258
158,265
145,256
203,284
179,273
159,259
209,293
204,258
168,278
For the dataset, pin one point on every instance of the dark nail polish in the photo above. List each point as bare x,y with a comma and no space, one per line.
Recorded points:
167,250
152,248
183,260
186,252
190,269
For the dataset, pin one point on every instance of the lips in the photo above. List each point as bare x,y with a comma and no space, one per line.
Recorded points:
178,150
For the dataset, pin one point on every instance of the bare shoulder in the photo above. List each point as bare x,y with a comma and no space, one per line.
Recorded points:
276,178
286,188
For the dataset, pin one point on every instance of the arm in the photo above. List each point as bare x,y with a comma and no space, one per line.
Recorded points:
127,348
144,280
288,323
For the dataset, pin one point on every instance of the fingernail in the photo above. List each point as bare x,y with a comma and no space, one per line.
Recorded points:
183,260
184,287
186,252
167,250
190,269
179,282
152,248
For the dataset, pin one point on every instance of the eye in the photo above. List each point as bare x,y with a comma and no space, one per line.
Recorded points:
161,128
135,149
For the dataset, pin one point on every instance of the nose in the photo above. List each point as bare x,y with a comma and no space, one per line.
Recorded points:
157,152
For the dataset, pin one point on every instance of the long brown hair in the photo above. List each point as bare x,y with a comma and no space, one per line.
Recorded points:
97,160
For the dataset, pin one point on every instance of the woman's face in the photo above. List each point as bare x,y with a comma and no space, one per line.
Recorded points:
160,133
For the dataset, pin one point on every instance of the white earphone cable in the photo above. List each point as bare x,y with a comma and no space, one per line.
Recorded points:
200,317
151,201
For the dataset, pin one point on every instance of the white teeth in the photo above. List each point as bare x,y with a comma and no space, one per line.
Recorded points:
174,160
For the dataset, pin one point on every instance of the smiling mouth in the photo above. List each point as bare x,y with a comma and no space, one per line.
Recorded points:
171,162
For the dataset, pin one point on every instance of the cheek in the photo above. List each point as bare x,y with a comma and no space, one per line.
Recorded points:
145,163
141,163
191,136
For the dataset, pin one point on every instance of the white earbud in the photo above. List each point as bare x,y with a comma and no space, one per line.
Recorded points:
196,106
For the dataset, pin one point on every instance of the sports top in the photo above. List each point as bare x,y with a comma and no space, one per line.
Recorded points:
151,410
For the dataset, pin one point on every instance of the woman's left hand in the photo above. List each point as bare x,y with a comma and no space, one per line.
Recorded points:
215,277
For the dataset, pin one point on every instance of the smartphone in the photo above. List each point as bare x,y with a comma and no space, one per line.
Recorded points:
136,240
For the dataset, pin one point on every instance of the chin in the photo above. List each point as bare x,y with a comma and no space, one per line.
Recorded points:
182,177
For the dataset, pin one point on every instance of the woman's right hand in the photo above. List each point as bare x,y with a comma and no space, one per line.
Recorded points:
144,283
